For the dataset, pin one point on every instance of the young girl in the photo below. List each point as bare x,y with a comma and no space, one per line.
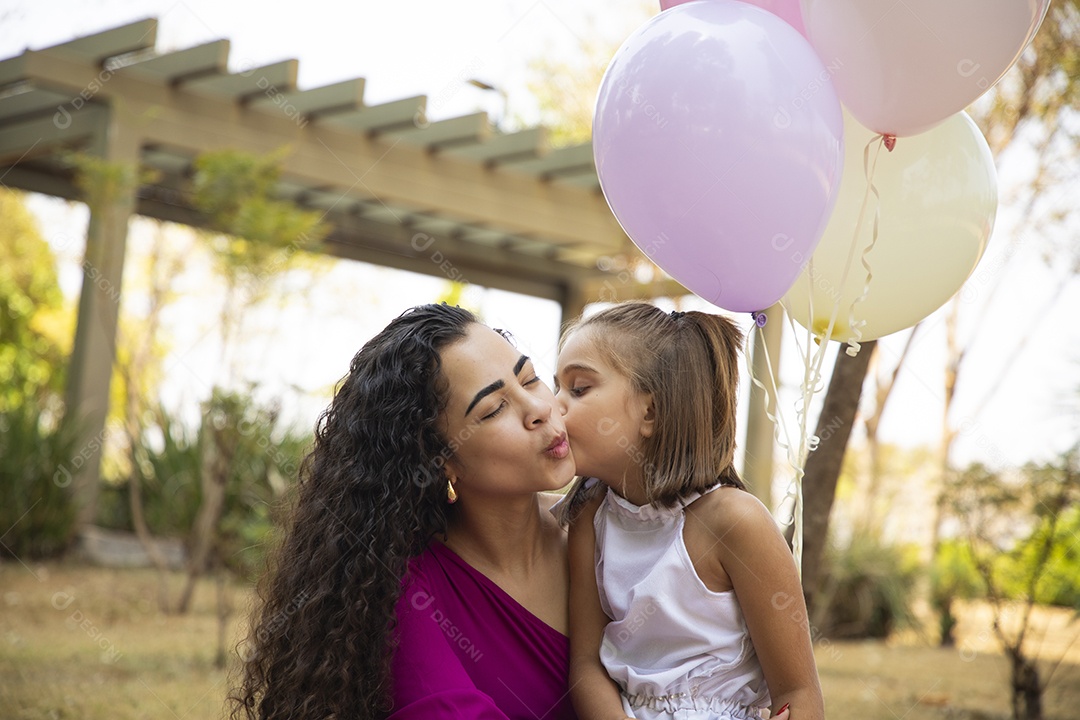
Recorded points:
685,601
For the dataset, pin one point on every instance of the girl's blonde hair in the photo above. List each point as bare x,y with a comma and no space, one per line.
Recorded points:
688,362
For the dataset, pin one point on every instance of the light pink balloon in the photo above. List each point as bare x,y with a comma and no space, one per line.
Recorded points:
903,67
719,149
787,10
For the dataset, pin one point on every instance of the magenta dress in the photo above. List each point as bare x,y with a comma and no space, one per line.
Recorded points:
468,651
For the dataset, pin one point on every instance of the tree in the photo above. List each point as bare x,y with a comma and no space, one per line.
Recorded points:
1019,532
883,387
1034,108
822,469
137,368
37,512
34,326
1036,102
253,238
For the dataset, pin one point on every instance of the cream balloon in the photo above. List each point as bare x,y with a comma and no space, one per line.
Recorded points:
938,195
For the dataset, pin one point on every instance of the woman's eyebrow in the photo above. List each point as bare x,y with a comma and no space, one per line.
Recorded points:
497,385
520,364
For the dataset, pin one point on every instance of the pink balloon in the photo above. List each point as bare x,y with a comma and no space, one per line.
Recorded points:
787,10
903,67
718,141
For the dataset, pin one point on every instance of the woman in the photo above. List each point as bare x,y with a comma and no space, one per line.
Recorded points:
421,574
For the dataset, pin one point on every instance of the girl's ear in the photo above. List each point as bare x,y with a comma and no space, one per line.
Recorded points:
648,420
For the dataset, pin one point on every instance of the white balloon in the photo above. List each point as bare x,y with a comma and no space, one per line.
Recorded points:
939,198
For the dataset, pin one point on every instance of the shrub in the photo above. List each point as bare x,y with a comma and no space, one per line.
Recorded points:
265,460
37,511
866,590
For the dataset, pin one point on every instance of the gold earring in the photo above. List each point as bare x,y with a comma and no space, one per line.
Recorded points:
451,494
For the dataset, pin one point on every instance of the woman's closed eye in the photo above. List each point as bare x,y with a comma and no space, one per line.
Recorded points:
579,390
496,412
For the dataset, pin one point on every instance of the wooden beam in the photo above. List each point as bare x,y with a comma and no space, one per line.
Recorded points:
28,139
398,114
248,83
345,96
97,48
528,144
563,161
466,129
13,70
370,169
27,100
211,58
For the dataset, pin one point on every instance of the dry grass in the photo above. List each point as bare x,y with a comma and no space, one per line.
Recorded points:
89,643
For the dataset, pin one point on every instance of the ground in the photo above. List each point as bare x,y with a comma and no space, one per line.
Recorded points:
90,643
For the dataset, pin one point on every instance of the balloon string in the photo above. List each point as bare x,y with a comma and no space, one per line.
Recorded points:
769,399
812,383
854,343
813,359
783,440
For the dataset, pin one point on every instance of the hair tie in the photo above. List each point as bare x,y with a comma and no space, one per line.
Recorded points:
676,314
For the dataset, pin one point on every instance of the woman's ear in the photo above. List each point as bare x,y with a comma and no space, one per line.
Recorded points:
648,420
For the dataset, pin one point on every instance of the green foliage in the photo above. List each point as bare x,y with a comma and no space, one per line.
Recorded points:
866,590
36,508
1044,81
953,576
1021,529
253,234
101,181
953,573
37,514
1058,580
31,309
565,84
264,461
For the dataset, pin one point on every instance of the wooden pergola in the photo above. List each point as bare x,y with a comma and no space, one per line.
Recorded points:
502,210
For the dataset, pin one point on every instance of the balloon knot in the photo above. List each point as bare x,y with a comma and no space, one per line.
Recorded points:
759,318
890,142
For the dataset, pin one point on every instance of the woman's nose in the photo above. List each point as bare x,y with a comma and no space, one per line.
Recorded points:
539,411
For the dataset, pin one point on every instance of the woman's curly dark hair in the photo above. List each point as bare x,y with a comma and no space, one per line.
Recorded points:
371,495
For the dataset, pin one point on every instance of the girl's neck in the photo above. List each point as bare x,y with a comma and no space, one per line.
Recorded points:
629,488
504,536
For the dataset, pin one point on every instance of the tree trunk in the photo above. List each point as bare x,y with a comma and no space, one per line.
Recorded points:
1026,687
142,531
224,611
214,470
823,465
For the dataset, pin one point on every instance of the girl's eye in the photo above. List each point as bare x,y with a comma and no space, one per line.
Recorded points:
578,391
498,410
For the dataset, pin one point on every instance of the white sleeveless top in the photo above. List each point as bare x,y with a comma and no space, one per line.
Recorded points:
676,648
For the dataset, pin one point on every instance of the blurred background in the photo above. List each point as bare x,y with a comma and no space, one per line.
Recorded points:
175,311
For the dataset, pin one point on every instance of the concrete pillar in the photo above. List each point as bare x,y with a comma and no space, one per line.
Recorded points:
573,303
759,447
91,364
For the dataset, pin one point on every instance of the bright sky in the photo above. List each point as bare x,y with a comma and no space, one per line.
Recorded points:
410,47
